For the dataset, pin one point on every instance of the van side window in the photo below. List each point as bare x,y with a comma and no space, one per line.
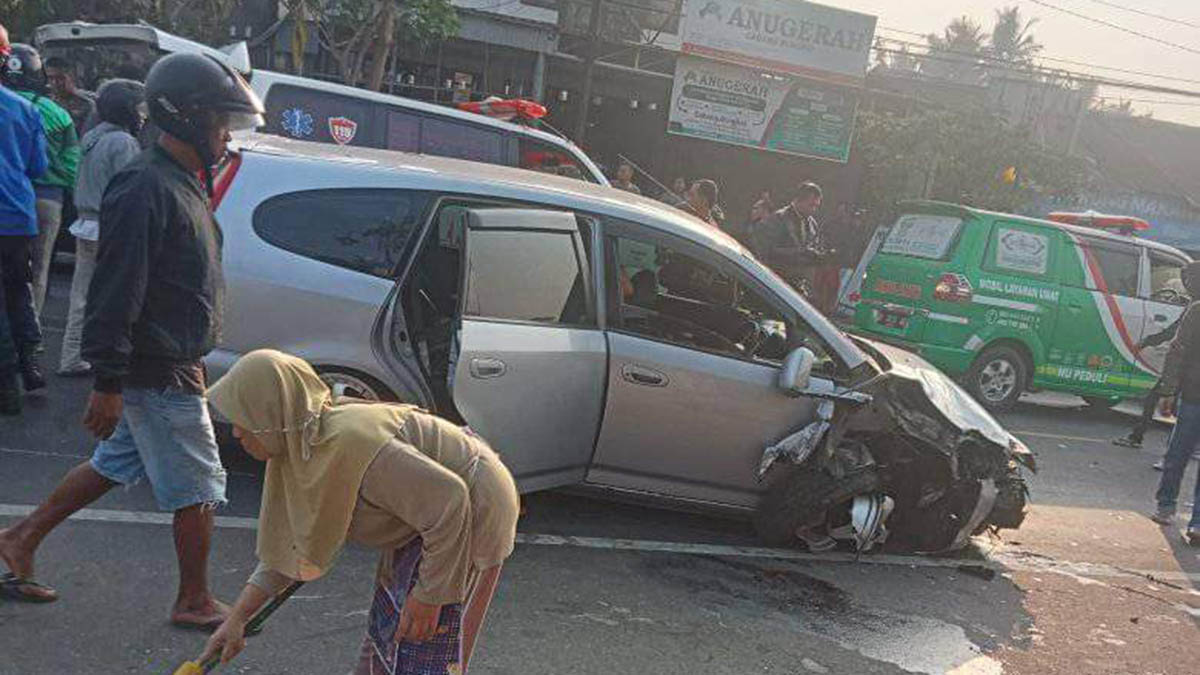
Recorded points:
452,138
1110,266
365,230
1021,249
541,156
312,115
1166,279
527,275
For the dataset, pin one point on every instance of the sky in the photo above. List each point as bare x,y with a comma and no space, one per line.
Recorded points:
1069,37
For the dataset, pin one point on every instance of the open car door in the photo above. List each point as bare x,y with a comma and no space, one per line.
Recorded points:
531,365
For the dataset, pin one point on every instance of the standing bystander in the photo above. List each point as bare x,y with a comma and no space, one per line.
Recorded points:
153,312
24,74
106,150
789,240
624,179
701,200
22,158
79,103
1181,377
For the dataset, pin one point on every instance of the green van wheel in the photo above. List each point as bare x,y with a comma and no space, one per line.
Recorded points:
998,377
1101,402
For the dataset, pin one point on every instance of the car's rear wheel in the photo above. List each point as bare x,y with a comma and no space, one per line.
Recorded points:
998,377
346,382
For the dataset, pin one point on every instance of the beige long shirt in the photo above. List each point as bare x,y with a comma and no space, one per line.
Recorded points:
442,484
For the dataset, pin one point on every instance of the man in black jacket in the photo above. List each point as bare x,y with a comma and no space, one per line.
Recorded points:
1181,375
153,312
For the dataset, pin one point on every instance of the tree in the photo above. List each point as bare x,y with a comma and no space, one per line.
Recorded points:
958,155
361,35
202,20
1011,39
956,53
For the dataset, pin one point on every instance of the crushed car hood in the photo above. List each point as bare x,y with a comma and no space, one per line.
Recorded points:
907,376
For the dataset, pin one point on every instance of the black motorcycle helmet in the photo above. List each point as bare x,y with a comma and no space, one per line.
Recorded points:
190,94
123,103
23,69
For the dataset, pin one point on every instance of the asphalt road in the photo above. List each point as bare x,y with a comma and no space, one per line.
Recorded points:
1088,585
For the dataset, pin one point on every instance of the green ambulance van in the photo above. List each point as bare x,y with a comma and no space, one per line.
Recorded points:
1010,304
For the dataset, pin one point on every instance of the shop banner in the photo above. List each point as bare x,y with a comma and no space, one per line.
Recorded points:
731,104
802,38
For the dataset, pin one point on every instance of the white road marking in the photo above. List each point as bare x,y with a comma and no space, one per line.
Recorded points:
67,455
1000,561
1061,437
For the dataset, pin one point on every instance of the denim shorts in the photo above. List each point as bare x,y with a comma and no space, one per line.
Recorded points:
166,436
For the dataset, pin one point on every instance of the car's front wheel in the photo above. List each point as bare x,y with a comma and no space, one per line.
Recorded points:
998,377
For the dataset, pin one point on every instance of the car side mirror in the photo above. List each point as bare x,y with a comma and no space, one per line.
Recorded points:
796,371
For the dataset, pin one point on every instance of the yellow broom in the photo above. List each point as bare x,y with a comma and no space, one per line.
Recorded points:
252,628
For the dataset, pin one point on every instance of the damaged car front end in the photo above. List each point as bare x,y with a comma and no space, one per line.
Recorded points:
905,456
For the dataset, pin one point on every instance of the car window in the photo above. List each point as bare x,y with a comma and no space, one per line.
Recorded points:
360,229
314,115
549,158
403,131
1021,249
921,235
1166,279
454,138
674,297
526,275
1112,266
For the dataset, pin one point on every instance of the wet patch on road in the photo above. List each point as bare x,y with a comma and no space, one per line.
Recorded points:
816,606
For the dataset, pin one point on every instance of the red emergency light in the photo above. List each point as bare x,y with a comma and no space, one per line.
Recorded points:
506,109
1101,221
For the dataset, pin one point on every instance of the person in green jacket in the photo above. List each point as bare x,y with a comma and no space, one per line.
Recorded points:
25,75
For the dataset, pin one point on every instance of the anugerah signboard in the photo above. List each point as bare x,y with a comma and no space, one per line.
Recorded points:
744,106
802,38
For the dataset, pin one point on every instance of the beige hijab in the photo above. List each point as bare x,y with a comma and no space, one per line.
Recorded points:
318,456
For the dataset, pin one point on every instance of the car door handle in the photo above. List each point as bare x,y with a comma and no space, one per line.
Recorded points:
484,368
1160,318
647,377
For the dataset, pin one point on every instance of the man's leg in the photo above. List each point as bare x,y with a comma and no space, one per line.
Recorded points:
178,447
194,604
23,321
71,362
49,215
10,385
81,486
1184,439
1138,433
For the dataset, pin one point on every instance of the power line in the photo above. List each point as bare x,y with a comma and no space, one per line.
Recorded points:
1109,24
1048,58
1154,101
948,56
1054,59
1143,12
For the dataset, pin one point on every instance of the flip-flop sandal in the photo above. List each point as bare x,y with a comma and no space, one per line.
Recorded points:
203,627
11,588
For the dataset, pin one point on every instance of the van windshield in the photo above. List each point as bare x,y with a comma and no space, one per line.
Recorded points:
922,236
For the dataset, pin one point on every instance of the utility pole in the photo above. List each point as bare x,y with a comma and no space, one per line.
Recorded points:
589,70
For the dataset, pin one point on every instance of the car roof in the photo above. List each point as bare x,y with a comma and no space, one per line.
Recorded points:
274,77
969,212
461,175
235,56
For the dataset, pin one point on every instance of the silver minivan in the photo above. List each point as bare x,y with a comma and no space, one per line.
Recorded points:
595,337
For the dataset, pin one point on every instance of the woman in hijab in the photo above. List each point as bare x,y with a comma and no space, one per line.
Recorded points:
431,496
